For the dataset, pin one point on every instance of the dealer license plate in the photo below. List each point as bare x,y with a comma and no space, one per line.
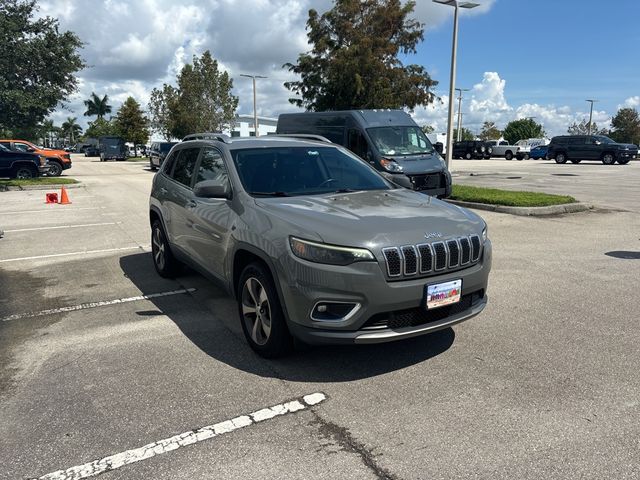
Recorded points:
441,294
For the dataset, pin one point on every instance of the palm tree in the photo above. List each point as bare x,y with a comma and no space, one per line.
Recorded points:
97,106
47,128
71,128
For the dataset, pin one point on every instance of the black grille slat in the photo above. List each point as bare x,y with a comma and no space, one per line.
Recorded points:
410,260
394,264
465,251
475,244
454,253
440,252
426,258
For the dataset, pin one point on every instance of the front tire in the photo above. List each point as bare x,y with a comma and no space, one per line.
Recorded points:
576,161
261,314
24,173
623,161
561,158
608,159
166,264
468,156
55,169
508,156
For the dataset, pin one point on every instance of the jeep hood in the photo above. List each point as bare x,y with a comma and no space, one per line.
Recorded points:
372,219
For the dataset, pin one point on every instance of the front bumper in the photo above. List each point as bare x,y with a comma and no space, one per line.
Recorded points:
304,284
44,169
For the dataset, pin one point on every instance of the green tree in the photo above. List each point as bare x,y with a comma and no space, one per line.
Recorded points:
132,124
353,62
490,131
582,128
625,126
100,128
202,101
161,105
71,129
97,106
48,131
522,129
38,63
428,129
465,134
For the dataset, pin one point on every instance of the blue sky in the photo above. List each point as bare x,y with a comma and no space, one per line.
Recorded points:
549,52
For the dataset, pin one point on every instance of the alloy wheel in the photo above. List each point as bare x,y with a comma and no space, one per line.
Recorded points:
24,173
158,247
256,310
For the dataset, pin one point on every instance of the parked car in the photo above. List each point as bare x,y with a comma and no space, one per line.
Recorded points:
158,152
525,146
389,140
22,165
112,148
58,160
314,243
472,149
91,151
501,148
539,152
590,147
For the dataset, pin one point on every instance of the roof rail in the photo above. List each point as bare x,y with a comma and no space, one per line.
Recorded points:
219,136
308,136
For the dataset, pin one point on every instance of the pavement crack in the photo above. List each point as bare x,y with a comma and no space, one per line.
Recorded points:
348,443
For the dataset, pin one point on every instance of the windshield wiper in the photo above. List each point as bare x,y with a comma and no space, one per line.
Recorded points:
270,194
345,190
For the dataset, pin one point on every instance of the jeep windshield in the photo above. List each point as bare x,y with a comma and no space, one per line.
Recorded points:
397,141
112,142
290,171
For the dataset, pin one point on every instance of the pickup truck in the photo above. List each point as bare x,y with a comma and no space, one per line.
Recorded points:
58,160
501,148
21,165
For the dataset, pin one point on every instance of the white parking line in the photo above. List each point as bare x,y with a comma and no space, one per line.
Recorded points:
61,226
105,303
83,252
51,209
113,462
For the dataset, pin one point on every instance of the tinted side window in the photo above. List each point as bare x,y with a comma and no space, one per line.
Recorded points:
21,147
576,141
185,166
357,143
212,167
6,144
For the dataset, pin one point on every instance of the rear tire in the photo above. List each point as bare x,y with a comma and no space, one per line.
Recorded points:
561,157
261,315
608,159
508,156
623,161
468,156
164,261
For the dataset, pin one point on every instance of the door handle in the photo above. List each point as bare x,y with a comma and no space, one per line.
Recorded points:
192,204
163,190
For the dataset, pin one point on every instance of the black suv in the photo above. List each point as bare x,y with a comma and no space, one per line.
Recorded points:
472,149
21,164
158,152
590,147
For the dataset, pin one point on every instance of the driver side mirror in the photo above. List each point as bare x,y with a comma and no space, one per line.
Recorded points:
439,147
31,149
212,189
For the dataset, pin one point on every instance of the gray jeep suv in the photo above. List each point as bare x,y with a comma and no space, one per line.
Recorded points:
314,243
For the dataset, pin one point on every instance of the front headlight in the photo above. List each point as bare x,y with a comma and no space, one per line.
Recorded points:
485,235
391,165
329,254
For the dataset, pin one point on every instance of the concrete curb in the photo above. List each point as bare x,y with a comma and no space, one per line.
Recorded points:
5,188
526,211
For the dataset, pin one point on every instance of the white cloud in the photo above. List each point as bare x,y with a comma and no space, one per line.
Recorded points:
487,102
631,102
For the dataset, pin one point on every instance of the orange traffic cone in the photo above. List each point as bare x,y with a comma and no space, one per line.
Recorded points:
64,198
51,198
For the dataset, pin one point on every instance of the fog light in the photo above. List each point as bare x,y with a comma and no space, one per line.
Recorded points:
334,311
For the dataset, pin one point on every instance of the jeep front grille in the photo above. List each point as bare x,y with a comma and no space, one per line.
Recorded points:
430,259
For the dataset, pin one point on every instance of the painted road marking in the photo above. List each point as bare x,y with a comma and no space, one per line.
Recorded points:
83,252
84,306
113,462
50,209
61,226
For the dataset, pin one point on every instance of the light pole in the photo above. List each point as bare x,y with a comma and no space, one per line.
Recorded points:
255,111
456,4
590,113
460,90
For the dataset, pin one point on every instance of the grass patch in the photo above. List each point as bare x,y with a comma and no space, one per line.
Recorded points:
13,182
510,198
138,159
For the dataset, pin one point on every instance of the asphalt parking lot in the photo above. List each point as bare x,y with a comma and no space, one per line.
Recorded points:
545,383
